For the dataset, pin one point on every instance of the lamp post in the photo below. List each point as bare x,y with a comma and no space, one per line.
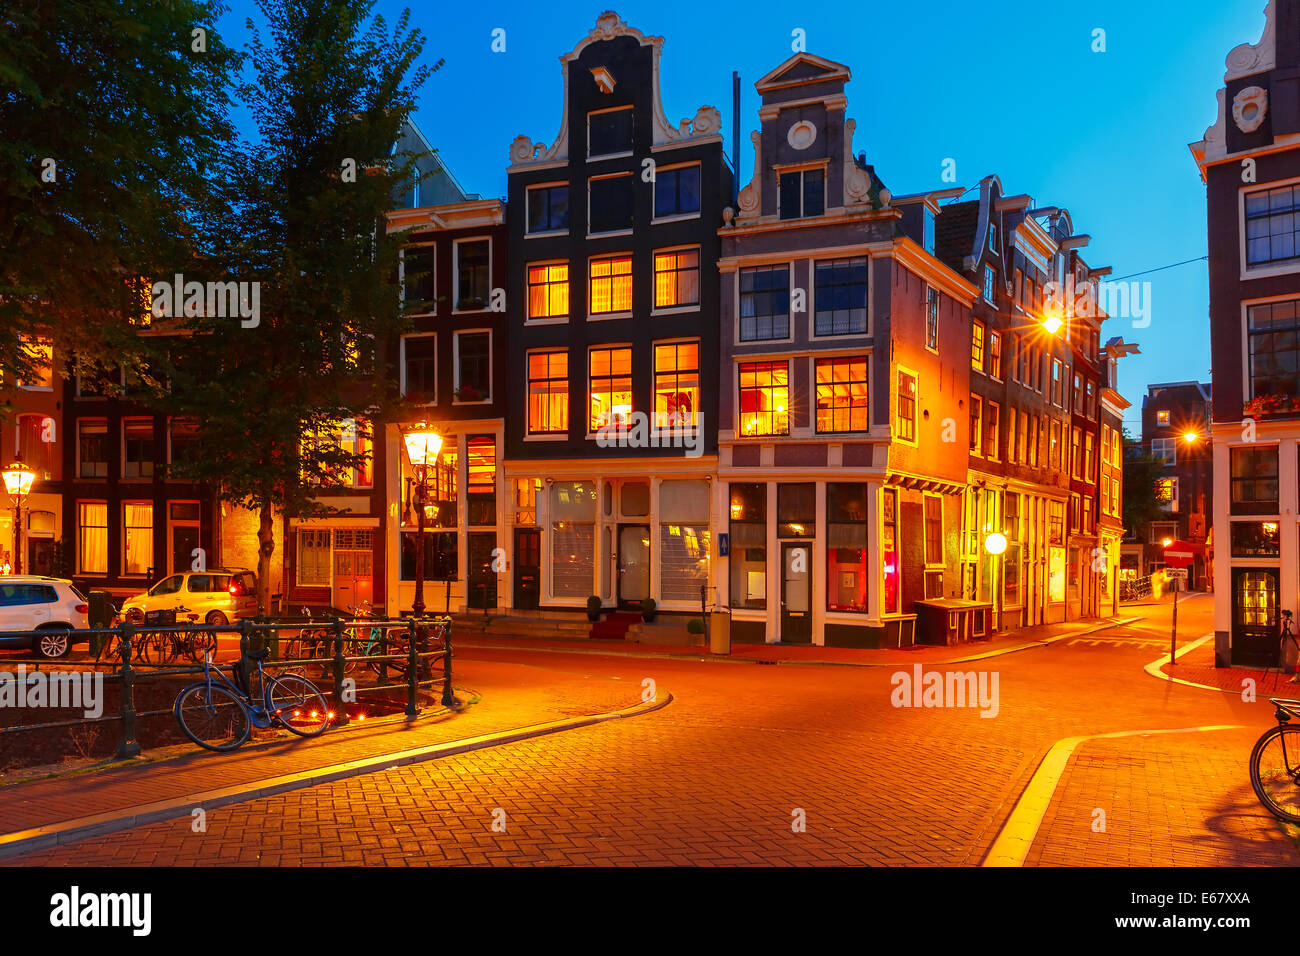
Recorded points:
423,446
18,479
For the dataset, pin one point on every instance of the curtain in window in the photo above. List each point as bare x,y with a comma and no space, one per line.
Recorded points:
137,528
92,550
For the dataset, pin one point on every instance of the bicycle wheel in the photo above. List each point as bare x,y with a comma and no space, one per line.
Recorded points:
199,645
1275,772
298,705
212,716
109,650
157,649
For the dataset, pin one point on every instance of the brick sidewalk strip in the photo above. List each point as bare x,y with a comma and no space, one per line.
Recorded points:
1196,667
513,696
72,831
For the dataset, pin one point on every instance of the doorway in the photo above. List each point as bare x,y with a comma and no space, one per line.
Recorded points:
353,579
633,565
482,579
1254,617
528,568
796,581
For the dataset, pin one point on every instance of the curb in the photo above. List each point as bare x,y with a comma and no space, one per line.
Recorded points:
703,658
81,828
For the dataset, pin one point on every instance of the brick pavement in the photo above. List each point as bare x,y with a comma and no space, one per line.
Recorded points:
513,695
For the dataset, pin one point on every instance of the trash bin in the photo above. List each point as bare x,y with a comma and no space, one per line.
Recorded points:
100,616
719,632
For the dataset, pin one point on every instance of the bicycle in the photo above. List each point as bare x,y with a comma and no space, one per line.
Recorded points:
1275,763
1284,634
163,648
219,713
314,643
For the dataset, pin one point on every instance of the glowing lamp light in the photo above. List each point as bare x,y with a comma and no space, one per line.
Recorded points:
1167,542
18,480
422,444
1190,437
1052,324
995,543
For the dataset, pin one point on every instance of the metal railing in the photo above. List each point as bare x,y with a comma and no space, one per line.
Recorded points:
426,659
1135,589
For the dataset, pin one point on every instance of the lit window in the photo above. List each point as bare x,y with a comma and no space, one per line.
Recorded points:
1162,417
934,530
548,392
677,384
991,429
611,285
92,537
313,558
905,407
847,580
976,423
137,537
481,480
977,345
41,357
677,278
764,398
995,354
842,396
611,388
548,291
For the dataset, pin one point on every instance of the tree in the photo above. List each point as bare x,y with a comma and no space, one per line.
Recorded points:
301,225
1141,472
110,111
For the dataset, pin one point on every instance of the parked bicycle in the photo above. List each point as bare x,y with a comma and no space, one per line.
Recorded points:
163,647
220,712
1275,763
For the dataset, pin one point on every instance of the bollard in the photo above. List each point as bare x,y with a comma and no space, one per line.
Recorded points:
411,675
245,645
127,745
447,699
340,711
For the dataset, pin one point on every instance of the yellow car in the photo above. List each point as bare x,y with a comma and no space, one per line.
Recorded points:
217,596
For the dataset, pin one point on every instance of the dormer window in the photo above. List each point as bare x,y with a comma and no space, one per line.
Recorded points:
803,193
927,231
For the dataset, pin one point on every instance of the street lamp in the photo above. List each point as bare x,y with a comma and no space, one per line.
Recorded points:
18,480
423,446
1052,324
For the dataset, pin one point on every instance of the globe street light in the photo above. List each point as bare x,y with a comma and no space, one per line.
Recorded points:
18,480
423,446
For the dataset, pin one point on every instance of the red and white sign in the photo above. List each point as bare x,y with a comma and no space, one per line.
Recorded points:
1180,554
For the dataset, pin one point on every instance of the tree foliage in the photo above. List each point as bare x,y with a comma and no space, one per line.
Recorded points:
301,211
110,117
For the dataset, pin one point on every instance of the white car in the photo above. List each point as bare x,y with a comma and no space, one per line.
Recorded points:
47,608
218,596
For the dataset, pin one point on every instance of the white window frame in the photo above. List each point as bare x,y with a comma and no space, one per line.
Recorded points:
810,313
529,233
455,274
606,316
627,231
1261,271
549,319
455,365
674,309
601,157
752,343
677,216
401,371
900,371
1167,445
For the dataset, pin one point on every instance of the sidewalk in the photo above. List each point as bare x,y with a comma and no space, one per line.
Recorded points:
1010,642
1197,667
512,696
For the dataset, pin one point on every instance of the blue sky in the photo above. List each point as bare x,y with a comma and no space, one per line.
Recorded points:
1011,88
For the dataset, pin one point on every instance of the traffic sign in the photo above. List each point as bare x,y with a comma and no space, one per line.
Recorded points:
1176,574
1180,554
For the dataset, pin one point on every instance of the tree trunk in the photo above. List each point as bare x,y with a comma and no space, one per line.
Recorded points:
265,550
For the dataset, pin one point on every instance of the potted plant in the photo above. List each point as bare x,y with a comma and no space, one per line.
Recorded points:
695,626
468,393
593,608
648,610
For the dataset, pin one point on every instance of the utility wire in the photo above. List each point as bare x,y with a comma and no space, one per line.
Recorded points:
1174,265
